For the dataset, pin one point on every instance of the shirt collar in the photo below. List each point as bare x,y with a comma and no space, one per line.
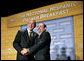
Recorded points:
41,33
28,30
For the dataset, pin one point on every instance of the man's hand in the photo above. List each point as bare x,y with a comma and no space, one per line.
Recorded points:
25,51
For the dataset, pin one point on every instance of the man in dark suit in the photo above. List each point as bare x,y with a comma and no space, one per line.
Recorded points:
24,40
41,48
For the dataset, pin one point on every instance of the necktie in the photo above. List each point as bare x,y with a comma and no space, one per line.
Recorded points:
30,36
39,36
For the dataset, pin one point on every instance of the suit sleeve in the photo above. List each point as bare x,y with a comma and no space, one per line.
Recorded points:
16,43
45,40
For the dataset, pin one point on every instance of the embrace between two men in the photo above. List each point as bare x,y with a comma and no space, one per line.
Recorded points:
32,46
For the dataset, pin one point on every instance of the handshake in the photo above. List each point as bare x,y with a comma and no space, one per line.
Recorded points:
25,51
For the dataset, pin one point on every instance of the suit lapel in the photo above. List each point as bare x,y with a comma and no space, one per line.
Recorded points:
39,37
26,35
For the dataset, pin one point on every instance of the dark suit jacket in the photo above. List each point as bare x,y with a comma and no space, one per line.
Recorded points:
41,49
22,41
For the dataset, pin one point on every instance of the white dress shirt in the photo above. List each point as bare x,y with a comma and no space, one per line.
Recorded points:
28,31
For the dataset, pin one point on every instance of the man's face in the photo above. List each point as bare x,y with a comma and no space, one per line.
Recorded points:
31,25
41,28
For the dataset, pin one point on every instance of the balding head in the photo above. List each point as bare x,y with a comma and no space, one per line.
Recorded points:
41,27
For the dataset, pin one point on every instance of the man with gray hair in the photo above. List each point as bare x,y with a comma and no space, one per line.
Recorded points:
25,39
